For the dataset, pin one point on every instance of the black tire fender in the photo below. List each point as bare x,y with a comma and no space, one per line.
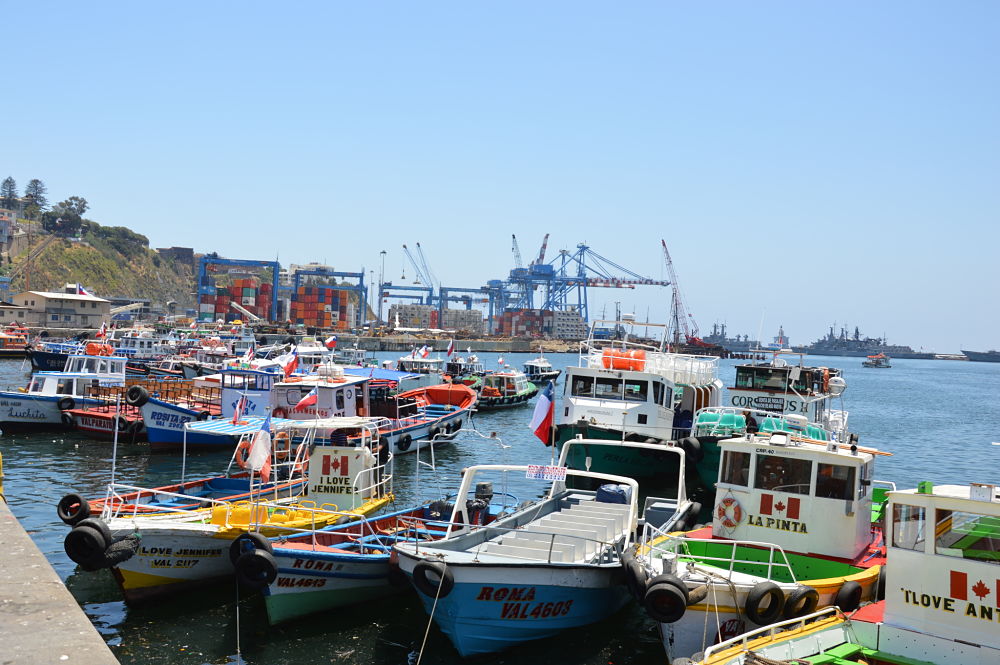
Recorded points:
98,525
136,396
665,599
801,601
428,586
692,448
72,509
256,569
247,542
635,576
68,420
404,442
121,423
66,403
848,597
85,545
775,598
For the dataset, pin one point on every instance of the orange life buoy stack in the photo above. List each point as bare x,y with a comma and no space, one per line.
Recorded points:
97,349
634,359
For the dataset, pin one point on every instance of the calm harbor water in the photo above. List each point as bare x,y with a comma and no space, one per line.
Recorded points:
938,418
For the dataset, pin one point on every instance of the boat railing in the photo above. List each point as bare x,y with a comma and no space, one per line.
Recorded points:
829,612
118,503
679,368
678,548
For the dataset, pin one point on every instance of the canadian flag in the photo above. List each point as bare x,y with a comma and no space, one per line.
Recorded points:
960,588
769,507
332,463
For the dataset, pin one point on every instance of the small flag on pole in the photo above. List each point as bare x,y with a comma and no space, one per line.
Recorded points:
241,406
104,329
451,347
259,458
425,351
331,342
308,400
289,362
541,419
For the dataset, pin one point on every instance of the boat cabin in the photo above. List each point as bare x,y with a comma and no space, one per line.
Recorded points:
505,384
82,373
335,397
464,366
802,495
419,365
782,387
944,562
253,385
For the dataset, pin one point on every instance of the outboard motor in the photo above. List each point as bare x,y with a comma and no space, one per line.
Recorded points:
479,507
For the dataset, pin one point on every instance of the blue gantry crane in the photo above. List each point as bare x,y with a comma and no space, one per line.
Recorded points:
206,285
360,290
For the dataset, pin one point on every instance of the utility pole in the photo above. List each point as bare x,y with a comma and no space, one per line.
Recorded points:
381,280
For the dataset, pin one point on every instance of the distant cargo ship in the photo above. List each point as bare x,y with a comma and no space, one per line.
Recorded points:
858,347
983,356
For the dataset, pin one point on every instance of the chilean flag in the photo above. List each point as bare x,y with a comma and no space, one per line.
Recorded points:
104,329
241,406
80,291
308,400
291,363
194,325
425,351
541,420
451,348
331,342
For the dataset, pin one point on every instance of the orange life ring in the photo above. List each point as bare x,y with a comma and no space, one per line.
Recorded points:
302,466
279,413
243,453
282,445
729,512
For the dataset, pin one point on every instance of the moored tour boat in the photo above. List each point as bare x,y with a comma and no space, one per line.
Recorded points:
505,389
939,606
155,554
624,389
539,370
551,565
796,526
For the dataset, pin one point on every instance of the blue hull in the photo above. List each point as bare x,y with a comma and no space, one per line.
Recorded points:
165,427
482,618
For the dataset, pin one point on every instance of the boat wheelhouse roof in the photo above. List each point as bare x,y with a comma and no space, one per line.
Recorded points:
252,424
782,443
323,381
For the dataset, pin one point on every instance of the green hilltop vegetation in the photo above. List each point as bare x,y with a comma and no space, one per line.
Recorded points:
110,261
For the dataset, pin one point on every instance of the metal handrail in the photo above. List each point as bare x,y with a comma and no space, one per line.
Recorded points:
772,630
672,543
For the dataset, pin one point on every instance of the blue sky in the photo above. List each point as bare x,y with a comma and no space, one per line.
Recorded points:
807,163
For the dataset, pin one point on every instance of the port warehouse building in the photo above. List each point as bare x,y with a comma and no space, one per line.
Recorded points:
47,309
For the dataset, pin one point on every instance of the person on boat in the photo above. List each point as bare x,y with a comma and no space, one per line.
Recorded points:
752,426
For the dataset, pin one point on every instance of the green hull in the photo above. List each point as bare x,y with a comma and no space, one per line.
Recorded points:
287,606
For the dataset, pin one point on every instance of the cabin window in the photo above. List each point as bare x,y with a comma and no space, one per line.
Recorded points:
783,474
835,481
657,392
636,391
583,386
340,400
744,378
64,387
908,527
608,388
735,468
967,536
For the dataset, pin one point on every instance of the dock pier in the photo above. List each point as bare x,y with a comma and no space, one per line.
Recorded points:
40,620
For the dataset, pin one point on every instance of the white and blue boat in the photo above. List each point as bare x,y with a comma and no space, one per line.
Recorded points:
552,565
165,416
40,405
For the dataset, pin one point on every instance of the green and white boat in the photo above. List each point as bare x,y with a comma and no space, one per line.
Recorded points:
796,526
504,389
636,390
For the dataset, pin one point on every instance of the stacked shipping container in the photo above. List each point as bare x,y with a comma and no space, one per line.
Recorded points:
249,293
320,306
